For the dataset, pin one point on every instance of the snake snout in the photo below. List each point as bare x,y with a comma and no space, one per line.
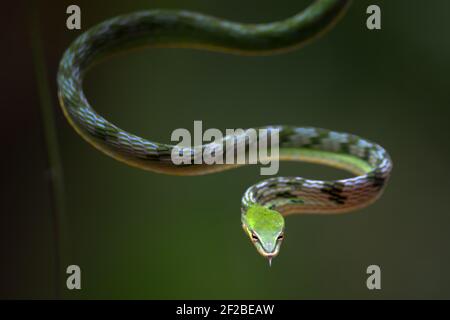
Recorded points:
271,249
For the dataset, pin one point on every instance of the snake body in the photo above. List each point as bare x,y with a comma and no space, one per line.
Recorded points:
263,202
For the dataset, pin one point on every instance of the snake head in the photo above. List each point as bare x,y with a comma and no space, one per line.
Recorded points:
265,229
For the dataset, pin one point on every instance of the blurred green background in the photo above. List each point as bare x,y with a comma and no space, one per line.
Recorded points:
137,234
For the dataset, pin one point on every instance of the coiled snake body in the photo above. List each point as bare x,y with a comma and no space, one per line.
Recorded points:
265,203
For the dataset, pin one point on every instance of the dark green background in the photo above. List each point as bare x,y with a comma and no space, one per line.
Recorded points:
137,234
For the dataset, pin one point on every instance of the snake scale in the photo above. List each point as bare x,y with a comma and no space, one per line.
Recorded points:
264,204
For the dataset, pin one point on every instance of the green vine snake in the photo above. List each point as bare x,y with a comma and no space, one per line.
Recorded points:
264,204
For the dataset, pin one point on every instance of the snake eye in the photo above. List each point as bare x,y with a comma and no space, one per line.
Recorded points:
255,237
280,237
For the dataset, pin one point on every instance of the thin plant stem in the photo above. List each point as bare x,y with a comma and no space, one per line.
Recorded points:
54,166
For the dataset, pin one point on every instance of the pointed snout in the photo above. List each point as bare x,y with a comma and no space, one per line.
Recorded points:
270,249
